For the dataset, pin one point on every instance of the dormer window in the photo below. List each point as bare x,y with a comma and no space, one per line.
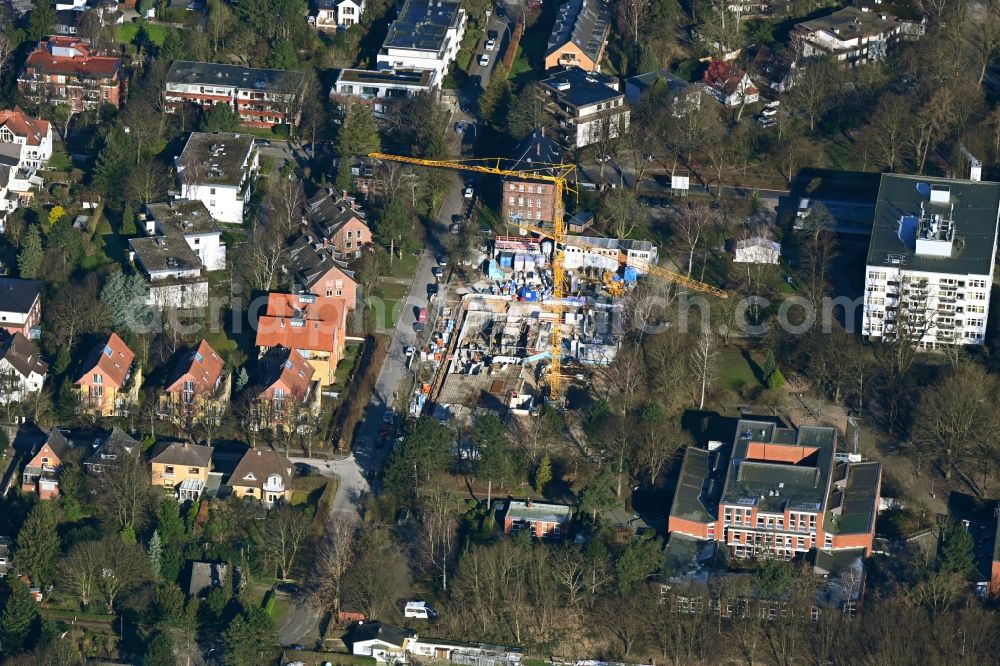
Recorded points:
249,477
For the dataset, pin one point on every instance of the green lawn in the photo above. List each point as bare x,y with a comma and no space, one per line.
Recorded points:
394,290
404,267
60,160
735,371
127,32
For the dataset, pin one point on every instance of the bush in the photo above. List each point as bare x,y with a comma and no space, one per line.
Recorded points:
359,393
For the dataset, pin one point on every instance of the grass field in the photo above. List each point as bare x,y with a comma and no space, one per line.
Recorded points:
735,371
404,267
127,32
394,290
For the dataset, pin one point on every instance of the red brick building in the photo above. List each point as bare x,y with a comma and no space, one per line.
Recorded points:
780,489
541,519
41,474
526,199
64,71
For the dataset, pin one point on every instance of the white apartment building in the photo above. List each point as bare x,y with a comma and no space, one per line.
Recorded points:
334,14
426,35
931,260
191,221
853,36
218,170
588,105
172,270
378,88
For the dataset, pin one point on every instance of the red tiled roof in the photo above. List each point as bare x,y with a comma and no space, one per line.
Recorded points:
81,65
21,124
113,359
295,324
202,366
286,368
725,76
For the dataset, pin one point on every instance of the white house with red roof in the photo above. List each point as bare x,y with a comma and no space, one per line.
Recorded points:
32,136
729,84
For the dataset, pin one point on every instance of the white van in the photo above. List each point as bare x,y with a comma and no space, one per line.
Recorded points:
419,609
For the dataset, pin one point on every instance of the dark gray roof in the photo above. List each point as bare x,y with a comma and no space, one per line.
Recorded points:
118,444
386,633
10,154
20,352
310,263
260,464
410,77
217,158
329,211
182,216
585,23
636,86
422,25
535,150
57,441
165,253
858,500
584,88
207,73
976,205
697,494
206,575
803,484
18,295
175,453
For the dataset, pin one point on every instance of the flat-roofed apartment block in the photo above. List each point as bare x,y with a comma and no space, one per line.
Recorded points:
931,260
379,89
853,36
218,169
579,35
426,35
261,97
588,106
783,490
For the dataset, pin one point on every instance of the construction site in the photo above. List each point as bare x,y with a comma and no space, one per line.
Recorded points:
545,310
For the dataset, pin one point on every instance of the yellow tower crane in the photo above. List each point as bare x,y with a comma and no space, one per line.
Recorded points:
558,175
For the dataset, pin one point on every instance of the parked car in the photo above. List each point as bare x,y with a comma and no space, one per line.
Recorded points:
442,260
388,417
492,34
437,271
432,290
460,127
422,316
491,44
408,351
469,192
402,517
484,60
419,609
455,228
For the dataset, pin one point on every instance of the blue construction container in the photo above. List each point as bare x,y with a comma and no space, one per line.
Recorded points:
529,295
506,260
630,274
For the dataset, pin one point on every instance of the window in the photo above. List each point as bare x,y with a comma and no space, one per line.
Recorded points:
279,394
349,234
187,393
98,378
168,470
194,470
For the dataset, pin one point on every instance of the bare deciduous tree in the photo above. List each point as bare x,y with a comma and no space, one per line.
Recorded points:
692,222
702,362
335,555
284,533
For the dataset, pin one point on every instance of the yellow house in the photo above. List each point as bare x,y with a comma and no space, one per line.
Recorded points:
264,475
197,389
183,468
109,383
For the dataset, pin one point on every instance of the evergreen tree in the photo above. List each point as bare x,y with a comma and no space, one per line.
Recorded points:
114,163
251,639
543,474
497,461
957,556
495,101
425,451
359,134
125,298
596,495
395,228
20,622
37,544
155,555
220,118
640,559
283,56
159,650
29,260
174,47
241,379
42,20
